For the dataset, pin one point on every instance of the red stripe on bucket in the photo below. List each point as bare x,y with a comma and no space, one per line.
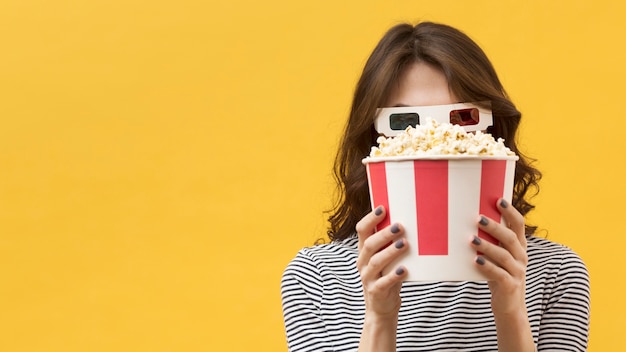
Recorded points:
378,177
431,198
491,189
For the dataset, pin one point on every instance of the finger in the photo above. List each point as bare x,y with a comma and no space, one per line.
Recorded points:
382,259
500,257
374,243
514,219
507,238
367,225
492,271
386,282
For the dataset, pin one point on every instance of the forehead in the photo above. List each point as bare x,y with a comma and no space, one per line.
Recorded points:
421,84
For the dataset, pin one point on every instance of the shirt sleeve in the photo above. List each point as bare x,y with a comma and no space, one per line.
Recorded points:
565,322
301,290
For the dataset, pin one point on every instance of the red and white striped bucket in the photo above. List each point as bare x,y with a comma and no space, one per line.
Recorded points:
438,200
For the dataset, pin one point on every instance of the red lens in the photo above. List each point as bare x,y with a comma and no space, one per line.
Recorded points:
464,117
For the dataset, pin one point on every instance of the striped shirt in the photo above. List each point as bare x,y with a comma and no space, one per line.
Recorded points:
323,304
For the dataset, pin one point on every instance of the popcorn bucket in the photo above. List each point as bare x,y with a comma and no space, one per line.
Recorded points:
438,199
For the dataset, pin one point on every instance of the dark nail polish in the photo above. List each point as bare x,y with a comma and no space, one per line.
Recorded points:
483,221
476,240
504,203
480,260
399,244
378,211
395,228
399,271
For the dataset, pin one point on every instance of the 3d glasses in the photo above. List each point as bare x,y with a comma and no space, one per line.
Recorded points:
391,121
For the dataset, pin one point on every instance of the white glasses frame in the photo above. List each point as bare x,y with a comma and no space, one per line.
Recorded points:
471,116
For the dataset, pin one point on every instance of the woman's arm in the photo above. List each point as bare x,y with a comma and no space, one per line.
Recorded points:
379,333
505,267
381,292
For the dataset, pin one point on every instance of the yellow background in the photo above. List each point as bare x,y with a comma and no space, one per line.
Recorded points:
162,161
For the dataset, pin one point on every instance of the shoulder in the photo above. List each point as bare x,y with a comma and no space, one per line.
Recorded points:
315,267
542,252
314,260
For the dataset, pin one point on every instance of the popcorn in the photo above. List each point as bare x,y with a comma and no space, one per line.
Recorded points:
433,138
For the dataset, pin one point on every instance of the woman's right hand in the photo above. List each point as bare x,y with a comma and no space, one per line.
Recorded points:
376,251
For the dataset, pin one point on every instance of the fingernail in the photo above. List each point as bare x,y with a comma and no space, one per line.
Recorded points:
399,244
480,260
476,240
378,210
504,203
483,221
395,228
399,271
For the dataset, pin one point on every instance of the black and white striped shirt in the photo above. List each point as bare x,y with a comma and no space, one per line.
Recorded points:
323,305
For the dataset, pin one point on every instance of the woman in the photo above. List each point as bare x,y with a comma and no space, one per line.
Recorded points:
335,297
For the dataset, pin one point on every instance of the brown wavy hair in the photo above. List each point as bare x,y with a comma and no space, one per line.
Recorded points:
471,77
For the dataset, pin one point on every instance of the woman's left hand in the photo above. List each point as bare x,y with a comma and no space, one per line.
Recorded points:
504,265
